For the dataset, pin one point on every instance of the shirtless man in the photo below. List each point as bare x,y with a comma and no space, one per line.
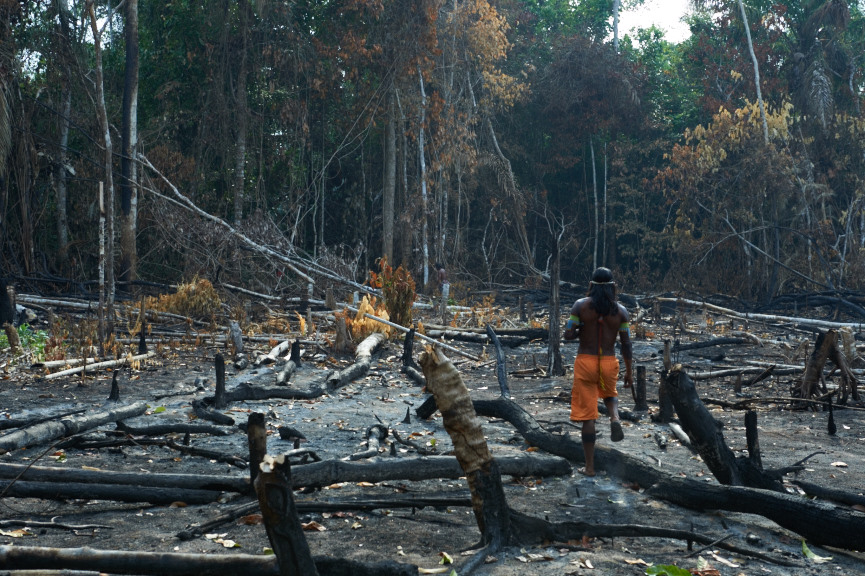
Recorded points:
597,320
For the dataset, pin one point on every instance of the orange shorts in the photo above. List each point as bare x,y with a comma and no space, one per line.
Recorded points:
588,386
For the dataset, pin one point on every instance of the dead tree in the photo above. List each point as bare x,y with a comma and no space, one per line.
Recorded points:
814,366
470,447
826,347
273,486
7,315
554,365
707,437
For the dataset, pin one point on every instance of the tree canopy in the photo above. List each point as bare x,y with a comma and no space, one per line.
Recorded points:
453,131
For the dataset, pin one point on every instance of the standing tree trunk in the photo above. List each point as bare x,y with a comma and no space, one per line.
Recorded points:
604,225
62,194
756,72
597,215
241,116
65,52
389,192
129,136
555,366
405,229
420,144
109,178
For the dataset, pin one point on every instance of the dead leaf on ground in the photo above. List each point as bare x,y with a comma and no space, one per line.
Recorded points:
251,519
312,526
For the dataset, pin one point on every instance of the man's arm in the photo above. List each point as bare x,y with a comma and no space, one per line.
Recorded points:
572,326
627,348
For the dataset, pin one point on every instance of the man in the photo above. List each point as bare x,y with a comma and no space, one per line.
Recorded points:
597,320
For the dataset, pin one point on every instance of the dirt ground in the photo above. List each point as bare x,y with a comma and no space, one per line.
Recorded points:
335,425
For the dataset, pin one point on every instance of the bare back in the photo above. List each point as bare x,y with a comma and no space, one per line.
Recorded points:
598,333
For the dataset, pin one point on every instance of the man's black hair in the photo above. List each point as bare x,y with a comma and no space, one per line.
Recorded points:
602,291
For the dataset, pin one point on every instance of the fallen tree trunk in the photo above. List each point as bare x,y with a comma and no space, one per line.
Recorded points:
177,564
116,492
707,437
331,471
320,473
182,481
374,435
99,366
833,494
707,344
6,424
246,391
178,428
404,330
799,321
819,522
48,431
273,355
540,531
363,359
532,333
306,507
462,336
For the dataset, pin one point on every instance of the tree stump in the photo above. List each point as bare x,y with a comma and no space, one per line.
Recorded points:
470,447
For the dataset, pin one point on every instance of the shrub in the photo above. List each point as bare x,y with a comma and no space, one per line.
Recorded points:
398,291
196,299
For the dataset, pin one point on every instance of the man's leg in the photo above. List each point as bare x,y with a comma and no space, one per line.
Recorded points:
588,436
616,433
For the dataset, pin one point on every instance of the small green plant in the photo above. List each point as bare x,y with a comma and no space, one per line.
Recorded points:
669,570
31,340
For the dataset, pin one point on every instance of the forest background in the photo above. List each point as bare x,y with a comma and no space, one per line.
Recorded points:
487,135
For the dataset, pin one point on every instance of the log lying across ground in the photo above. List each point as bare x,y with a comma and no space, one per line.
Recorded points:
47,431
819,522
177,564
114,492
184,481
64,483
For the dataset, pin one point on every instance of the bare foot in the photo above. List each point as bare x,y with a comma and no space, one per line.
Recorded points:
582,470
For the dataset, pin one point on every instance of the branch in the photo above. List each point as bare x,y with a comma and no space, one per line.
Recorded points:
292,264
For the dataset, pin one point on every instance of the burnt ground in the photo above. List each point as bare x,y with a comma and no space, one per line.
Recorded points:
335,426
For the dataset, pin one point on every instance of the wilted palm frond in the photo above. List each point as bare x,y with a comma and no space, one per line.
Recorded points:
832,13
820,93
5,130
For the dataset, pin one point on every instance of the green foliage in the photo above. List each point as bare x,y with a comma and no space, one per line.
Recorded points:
815,558
398,288
32,340
666,570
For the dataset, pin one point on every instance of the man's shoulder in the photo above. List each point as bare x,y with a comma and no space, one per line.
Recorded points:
623,312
